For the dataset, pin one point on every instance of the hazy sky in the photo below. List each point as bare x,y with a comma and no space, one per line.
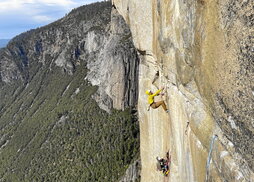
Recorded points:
17,16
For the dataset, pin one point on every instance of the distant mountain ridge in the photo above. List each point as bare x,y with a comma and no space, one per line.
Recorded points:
3,42
52,88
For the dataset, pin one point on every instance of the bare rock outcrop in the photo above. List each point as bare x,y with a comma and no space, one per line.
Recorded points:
133,172
116,69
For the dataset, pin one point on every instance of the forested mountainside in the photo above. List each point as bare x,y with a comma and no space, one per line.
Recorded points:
51,127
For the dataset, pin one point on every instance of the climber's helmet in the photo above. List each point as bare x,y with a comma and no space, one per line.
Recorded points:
158,158
148,92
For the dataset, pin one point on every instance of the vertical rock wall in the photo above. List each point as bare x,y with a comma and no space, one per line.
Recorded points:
203,50
115,71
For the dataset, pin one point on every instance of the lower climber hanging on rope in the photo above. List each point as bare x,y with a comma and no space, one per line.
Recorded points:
164,164
153,104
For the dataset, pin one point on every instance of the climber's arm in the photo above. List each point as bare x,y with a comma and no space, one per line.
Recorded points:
156,93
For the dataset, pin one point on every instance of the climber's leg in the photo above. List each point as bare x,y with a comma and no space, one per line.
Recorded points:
153,105
158,104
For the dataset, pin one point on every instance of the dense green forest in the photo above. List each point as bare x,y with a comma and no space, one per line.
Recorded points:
53,131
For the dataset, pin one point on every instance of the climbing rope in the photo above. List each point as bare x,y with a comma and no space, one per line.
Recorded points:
209,157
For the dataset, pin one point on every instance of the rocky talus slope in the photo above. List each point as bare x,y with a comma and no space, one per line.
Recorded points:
203,51
51,127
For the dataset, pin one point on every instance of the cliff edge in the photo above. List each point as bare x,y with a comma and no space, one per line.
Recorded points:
203,52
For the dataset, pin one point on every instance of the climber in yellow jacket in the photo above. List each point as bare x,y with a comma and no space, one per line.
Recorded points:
153,104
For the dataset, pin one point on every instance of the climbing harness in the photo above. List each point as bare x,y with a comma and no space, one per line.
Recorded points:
210,157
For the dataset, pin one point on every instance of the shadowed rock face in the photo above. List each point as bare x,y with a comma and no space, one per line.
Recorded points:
116,69
202,50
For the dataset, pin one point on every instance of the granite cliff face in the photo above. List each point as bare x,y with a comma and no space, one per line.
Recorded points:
203,51
115,70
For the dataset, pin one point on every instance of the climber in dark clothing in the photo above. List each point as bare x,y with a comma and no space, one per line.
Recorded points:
162,164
